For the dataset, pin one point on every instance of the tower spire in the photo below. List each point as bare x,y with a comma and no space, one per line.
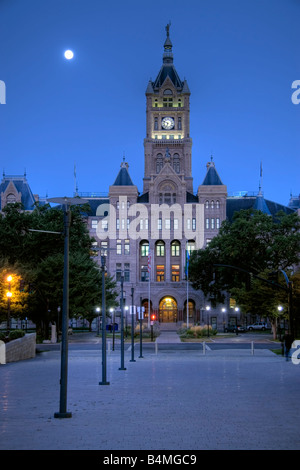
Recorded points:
168,55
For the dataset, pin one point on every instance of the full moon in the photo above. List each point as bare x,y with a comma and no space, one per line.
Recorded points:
69,54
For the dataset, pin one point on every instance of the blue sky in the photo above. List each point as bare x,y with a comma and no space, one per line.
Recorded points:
239,57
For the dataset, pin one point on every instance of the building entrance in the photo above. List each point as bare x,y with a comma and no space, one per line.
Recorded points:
168,310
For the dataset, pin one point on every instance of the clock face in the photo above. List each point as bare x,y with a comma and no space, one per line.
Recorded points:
167,123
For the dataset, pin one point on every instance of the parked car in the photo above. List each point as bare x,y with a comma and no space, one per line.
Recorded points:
232,329
258,326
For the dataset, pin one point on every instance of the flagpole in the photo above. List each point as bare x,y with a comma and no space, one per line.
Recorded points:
149,271
187,287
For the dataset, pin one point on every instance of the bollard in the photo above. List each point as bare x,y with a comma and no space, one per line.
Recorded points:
108,346
252,348
156,347
203,347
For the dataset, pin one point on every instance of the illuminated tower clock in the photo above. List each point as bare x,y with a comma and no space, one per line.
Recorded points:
167,123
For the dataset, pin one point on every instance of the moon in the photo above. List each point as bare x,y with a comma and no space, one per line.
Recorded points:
69,54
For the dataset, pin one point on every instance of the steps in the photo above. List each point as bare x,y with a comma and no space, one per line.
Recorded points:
168,326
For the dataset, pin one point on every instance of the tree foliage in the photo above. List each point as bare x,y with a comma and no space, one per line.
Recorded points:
254,242
37,258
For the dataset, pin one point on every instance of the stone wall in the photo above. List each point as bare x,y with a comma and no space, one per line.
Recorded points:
18,349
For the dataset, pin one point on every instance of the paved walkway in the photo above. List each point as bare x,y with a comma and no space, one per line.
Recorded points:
169,400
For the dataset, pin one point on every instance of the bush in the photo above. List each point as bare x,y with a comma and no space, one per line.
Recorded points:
15,334
196,331
146,332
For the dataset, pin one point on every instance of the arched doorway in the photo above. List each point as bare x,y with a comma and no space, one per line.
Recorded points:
168,310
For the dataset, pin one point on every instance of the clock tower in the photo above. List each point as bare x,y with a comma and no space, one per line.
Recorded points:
167,144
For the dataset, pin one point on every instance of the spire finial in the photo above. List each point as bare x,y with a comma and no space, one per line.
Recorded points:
168,29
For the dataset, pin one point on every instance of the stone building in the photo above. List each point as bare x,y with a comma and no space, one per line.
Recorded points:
146,237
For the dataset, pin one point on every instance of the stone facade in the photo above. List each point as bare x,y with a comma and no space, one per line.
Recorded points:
146,238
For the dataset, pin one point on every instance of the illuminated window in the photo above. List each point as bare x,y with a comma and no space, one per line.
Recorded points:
160,273
175,273
119,247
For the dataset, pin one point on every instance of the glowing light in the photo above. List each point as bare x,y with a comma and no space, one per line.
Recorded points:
9,294
9,278
69,54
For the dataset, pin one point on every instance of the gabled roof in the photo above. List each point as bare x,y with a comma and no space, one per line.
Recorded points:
21,185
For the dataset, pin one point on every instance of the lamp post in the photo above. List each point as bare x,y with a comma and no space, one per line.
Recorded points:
280,309
104,381
236,326
58,314
223,311
141,329
9,296
132,326
112,324
66,202
207,309
122,326
98,322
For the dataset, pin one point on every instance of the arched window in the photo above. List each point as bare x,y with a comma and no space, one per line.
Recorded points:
175,248
159,162
11,199
160,248
176,163
144,248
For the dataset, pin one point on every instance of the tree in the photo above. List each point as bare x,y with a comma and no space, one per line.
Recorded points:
40,256
253,243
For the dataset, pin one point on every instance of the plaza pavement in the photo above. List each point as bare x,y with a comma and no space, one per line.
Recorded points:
170,399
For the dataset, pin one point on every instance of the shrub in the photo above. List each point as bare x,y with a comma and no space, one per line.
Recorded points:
15,334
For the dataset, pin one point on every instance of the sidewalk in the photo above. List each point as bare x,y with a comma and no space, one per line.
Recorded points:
172,400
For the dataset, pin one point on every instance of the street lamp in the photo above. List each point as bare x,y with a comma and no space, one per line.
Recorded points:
98,327
132,326
104,381
112,322
224,311
122,326
66,202
207,309
58,314
9,296
280,309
